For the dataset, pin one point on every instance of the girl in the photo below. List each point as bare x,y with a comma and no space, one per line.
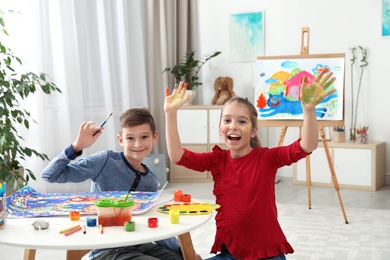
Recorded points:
244,174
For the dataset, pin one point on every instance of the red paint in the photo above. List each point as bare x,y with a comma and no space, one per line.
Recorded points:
186,198
121,220
106,221
152,222
177,195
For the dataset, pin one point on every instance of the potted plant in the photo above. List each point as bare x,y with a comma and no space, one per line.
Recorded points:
15,87
188,70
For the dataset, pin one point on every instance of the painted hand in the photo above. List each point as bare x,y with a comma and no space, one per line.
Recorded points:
314,93
177,98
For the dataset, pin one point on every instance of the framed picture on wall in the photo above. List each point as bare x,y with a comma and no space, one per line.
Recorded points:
246,36
386,18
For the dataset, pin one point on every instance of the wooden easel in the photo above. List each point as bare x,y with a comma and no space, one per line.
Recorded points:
305,51
308,173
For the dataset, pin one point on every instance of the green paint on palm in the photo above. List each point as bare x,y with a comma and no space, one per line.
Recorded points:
312,94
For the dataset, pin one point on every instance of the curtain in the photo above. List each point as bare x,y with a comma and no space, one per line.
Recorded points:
106,56
171,29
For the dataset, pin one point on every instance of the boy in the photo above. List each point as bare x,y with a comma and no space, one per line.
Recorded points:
110,170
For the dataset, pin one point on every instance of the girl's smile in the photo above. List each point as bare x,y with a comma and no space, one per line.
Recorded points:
236,129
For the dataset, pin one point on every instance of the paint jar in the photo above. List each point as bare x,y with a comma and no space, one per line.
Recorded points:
174,216
130,226
74,215
91,222
177,195
106,214
123,211
186,198
152,222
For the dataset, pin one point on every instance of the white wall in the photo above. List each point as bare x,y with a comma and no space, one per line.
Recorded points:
335,27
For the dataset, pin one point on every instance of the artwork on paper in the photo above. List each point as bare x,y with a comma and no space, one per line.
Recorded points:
27,202
246,36
277,87
386,18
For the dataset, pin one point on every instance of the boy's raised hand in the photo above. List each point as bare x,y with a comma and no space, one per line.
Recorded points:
177,98
85,137
314,93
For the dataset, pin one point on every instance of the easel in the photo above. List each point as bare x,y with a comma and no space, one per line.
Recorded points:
305,51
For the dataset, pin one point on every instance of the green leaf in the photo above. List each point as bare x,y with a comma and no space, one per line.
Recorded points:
26,123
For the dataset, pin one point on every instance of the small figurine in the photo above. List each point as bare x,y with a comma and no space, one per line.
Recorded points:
40,224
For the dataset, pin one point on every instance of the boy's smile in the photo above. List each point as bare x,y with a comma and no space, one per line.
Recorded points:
137,142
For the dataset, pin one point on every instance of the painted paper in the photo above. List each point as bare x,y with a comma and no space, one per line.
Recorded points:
27,202
277,87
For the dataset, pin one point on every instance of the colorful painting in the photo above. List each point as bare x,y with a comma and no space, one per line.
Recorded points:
277,86
386,18
246,36
27,202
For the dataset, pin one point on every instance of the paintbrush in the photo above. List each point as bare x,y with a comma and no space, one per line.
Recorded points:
105,121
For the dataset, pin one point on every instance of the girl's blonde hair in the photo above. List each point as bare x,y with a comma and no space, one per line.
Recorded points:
255,141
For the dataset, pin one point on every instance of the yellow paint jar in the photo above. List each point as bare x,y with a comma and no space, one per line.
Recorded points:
174,216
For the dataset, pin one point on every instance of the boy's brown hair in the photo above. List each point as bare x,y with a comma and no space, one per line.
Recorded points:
135,117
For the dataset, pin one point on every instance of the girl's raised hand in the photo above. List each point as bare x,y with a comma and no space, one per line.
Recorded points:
314,93
177,98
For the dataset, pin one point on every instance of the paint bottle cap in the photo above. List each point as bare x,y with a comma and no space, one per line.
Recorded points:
123,203
104,203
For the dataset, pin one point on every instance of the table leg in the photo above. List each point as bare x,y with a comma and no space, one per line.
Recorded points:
29,254
76,254
187,248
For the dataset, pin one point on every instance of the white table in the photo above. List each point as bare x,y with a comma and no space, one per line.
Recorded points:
20,233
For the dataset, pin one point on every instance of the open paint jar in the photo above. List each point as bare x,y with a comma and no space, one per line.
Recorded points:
123,211
106,215
114,212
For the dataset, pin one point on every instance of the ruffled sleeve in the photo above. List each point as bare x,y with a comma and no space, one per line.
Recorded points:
216,162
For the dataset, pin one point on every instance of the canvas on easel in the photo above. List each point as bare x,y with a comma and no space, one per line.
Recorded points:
277,89
278,97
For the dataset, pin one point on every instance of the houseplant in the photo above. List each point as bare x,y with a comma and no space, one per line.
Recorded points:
15,87
188,69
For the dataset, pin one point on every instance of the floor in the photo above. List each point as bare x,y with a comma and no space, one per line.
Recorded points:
286,192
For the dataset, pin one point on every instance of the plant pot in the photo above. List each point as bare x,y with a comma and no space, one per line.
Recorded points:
192,94
10,190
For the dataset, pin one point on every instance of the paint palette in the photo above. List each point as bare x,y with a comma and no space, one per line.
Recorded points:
194,208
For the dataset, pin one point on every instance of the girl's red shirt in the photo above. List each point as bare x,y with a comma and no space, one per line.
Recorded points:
247,221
